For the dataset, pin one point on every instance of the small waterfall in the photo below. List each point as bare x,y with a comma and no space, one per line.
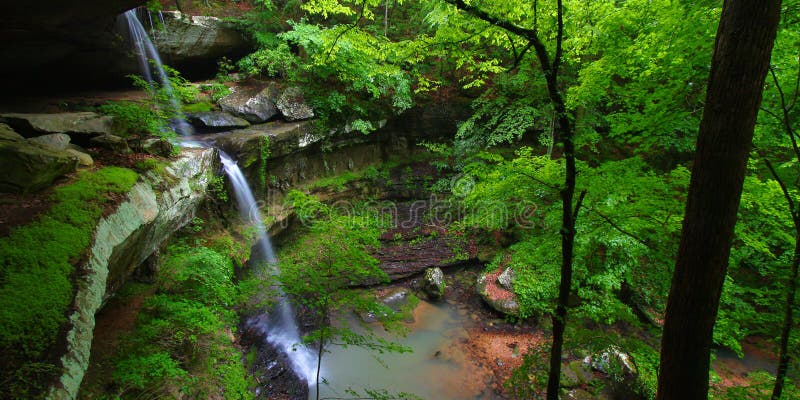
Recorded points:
149,62
279,327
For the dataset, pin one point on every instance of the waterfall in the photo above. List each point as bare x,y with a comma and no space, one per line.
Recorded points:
149,62
279,327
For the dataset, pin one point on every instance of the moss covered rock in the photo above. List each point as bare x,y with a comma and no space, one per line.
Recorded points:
29,167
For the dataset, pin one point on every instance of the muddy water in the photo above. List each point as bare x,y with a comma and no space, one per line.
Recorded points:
436,370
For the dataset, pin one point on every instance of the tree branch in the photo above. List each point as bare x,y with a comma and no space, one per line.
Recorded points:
792,208
349,27
621,229
485,16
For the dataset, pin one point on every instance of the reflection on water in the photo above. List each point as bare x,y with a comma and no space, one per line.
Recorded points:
437,369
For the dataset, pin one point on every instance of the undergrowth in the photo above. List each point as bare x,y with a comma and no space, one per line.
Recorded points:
182,344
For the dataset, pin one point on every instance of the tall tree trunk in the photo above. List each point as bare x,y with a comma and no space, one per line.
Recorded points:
741,57
783,361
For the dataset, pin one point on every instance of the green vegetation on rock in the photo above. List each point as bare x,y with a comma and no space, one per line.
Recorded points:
37,266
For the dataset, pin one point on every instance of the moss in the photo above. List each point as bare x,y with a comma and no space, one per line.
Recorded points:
36,267
203,106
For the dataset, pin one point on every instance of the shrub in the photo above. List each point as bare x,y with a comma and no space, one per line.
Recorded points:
134,119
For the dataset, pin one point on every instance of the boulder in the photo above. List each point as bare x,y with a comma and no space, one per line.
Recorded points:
55,141
496,297
111,142
74,124
506,278
254,105
193,39
620,369
216,120
293,106
84,160
612,361
158,147
28,167
433,283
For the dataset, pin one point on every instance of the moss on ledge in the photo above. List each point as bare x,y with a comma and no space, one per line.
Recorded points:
36,276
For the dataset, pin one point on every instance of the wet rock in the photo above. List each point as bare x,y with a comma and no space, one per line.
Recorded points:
158,147
612,361
283,138
74,124
254,105
55,141
28,167
111,142
496,297
620,369
216,120
433,283
293,106
396,299
506,278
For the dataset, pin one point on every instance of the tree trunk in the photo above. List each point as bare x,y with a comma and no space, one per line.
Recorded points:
741,57
784,359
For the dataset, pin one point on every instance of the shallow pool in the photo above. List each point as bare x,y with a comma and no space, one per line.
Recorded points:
437,369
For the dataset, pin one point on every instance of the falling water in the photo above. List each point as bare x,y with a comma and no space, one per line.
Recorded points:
149,59
279,327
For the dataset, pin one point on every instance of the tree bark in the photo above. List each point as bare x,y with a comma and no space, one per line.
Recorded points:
741,57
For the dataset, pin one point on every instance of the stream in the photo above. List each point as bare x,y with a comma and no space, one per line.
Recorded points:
436,369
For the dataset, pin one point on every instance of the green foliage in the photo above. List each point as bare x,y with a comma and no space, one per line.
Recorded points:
201,273
203,106
134,119
216,187
263,157
179,346
37,265
274,60
627,229
216,91
644,82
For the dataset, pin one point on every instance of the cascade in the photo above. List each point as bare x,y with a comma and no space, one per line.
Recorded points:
279,327
149,62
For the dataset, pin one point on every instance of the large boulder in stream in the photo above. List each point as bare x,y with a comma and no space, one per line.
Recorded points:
29,166
256,105
216,121
433,283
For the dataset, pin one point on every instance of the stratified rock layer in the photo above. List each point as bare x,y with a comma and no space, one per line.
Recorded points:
156,207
